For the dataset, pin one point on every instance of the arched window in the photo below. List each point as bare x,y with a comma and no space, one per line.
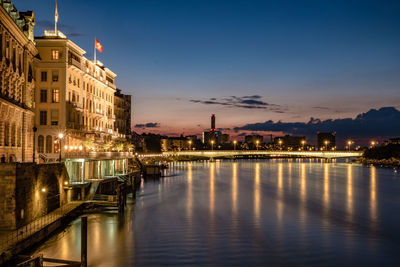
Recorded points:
49,143
30,74
40,144
13,134
6,134
19,137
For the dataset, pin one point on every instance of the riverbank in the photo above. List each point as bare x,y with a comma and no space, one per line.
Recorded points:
386,163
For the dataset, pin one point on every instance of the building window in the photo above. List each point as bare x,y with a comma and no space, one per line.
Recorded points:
13,134
54,75
55,54
43,76
55,96
6,134
43,117
40,144
19,137
43,96
54,117
49,143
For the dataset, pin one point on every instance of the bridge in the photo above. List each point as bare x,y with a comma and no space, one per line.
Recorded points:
279,153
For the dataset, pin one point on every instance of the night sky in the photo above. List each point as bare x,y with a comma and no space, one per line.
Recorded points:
246,61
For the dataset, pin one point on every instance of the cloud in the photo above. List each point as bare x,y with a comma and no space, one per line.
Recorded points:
246,102
148,125
374,123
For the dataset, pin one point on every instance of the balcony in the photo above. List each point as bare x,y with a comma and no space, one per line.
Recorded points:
75,63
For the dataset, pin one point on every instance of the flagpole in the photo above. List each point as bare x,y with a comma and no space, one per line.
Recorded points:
56,20
95,50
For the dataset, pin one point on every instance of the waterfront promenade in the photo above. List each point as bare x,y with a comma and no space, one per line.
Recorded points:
15,240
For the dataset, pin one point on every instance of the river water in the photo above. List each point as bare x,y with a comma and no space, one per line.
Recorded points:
249,213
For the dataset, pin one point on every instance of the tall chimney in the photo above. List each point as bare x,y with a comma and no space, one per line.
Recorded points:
213,123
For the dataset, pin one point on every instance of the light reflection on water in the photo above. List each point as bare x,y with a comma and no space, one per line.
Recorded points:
274,212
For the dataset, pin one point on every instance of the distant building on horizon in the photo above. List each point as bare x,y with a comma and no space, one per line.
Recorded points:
254,140
326,141
217,137
290,141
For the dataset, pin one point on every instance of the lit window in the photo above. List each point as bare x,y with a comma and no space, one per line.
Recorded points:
55,96
55,54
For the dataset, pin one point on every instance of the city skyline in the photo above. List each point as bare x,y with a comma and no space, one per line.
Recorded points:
246,62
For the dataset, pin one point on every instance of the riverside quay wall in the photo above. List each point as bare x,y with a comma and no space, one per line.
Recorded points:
29,191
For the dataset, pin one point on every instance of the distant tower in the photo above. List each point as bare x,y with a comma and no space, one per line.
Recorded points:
213,123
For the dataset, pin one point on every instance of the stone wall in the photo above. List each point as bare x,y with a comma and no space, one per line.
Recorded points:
7,196
28,191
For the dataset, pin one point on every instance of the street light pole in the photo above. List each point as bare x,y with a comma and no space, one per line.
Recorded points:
234,145
34,144
60,136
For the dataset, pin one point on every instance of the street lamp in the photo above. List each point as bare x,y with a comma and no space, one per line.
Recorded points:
349,143
303,142
212,144
373,143
190,144
280,143
326,142
60,136
257,142
34,142
234,144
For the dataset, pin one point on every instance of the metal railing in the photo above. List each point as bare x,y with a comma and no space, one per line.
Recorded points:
8,240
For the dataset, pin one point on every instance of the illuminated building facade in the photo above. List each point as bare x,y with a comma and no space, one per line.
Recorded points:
122,109
17,83
74,96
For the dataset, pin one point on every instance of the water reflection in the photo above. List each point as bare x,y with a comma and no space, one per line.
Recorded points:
257,194
373,198
326,185
280,192
350,191
234,188
210,216
212,189
189,205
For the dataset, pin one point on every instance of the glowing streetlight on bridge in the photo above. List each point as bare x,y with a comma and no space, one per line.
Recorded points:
326,142
234,144
349,143
257,142
303,142
190,144
212,144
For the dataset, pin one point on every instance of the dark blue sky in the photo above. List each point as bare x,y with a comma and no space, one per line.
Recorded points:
319,58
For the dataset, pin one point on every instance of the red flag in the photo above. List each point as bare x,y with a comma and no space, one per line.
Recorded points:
98,46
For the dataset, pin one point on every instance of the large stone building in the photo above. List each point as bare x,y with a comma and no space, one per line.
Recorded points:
74,97
122,110
17,83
